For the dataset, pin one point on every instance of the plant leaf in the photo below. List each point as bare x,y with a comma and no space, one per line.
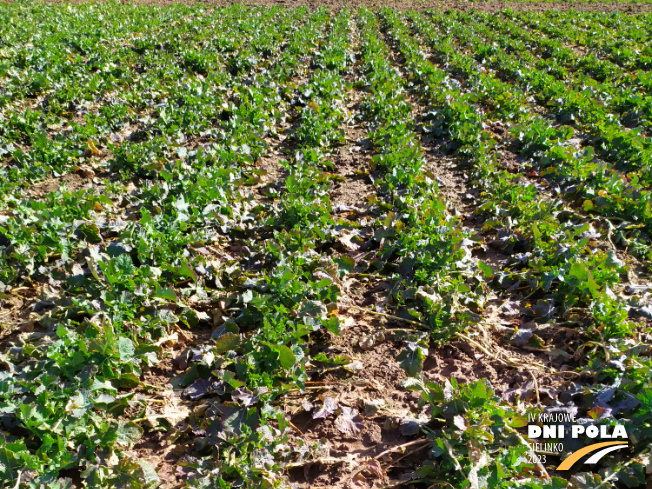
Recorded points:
348,422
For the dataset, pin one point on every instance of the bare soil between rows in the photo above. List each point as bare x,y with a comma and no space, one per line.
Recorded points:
464,6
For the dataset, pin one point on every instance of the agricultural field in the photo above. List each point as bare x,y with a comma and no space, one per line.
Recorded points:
352,247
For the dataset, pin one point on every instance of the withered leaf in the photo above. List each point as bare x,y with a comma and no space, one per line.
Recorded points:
348,422
327,409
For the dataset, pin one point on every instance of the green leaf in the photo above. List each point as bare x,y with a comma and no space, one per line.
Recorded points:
186,271
481,390
104,200
126,381
124,265
486,270
90,232
535,231
166,293
234,418
145,348
332,324
166,316
593,286
413,384
125,348
227,342
128,433
285,356
345,264
79,404
412,357
518,422
558,483
149,476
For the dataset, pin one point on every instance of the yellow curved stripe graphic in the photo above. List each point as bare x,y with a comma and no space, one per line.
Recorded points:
568,463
